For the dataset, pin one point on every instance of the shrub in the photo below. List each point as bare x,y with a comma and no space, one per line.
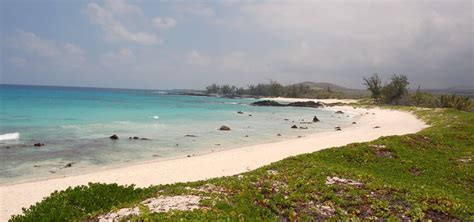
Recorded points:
394,91
456,102
374,85
82,201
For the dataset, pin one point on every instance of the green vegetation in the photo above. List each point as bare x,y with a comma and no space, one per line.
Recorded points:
391,93
395,92
427,175
82,202
275,89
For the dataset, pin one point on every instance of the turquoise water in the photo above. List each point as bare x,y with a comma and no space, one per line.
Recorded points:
75,125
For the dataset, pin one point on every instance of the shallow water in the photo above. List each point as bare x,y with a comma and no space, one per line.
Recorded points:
75,125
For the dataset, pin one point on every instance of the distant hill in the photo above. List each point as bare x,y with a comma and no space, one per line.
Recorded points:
335,88
458,90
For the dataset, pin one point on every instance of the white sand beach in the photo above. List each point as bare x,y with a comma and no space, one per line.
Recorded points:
217,164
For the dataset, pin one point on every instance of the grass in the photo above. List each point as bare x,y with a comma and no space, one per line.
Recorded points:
427,175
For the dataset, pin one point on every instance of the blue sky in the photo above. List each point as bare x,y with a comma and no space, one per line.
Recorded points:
190,44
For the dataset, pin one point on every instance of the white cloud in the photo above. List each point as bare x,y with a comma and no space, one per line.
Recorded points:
119,58
46,51
196,59
201,10
116,31
17,61
164,23
120,7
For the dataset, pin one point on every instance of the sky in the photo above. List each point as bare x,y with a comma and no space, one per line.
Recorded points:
191,44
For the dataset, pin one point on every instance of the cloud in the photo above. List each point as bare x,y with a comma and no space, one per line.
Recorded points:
115,31
118,58
195,9
45,52
350,39
17,61
164,23
120,7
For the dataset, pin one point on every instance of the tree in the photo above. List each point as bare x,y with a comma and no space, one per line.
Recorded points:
214,88
395,89
226,89
374,85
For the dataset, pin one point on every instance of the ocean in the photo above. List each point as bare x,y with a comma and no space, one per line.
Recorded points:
75,124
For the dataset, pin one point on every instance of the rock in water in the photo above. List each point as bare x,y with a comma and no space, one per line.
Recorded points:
294,127
114,137
224,128
315,119
266,103
306,104
240,112
38,144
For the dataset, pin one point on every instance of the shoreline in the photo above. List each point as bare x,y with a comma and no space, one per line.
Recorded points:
219,163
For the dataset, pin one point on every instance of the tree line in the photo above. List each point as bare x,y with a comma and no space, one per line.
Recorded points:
395,92
273,89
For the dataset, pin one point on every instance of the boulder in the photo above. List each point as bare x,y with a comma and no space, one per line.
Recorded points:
294,127
240,112
339,112
114,137
306,104
38,144
337,128
301,127
224,128
315,119
266,103
354,123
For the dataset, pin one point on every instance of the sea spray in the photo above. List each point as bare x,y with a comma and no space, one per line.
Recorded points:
9,136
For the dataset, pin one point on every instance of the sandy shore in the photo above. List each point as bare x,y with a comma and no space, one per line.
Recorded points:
225,163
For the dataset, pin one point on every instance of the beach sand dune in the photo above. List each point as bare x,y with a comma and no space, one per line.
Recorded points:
373,124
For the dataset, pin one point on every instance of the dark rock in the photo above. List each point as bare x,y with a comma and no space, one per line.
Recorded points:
144,138
294,127
335,104
38,144
376,127
307,104
286,119
68,165
278,134
224,128
114,137
240,112
303,127
246,135
136,138
315,119
337,128
354,123
339,112
266,103
250,114
190,135
188,155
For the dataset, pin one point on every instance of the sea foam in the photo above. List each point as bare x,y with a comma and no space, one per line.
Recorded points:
9,136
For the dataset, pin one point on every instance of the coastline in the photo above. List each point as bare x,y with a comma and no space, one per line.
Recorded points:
217,164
